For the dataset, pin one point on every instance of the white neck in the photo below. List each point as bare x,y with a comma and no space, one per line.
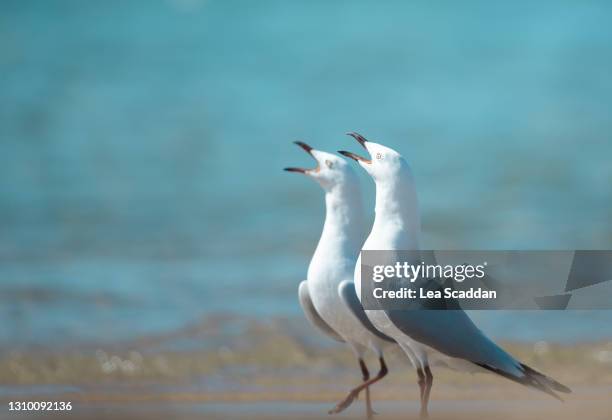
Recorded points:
397,223
343,233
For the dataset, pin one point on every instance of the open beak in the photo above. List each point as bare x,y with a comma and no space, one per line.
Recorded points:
308,150
362,141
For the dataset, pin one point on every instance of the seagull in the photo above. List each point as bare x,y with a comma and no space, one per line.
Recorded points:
420,332
328,296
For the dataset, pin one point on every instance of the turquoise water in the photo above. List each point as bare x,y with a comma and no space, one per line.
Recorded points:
142,144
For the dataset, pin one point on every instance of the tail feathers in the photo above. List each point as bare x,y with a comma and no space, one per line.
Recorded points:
546,380
532,379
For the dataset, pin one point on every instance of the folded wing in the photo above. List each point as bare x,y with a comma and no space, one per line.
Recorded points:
313,316
453,333
347,293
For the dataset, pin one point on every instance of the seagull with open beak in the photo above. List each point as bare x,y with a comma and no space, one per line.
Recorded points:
328,295
449,333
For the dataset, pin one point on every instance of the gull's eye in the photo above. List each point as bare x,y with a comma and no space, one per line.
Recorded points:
329,164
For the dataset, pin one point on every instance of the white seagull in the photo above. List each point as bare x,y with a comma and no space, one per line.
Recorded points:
450,332
328,295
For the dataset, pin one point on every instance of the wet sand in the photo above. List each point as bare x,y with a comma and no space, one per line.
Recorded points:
585,404
486,397
269,373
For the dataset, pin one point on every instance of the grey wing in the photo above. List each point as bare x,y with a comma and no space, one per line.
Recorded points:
348,294
453,333
313,316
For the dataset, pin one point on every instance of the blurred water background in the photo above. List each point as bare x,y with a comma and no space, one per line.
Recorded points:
142,144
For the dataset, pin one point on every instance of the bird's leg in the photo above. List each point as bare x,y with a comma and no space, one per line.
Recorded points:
365,374
355,391
428,385
421,383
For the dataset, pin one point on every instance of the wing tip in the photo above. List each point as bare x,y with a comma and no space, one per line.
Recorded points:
550,382
532,379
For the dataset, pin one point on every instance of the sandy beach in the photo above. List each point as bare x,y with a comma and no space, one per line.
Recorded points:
501,402
281,376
